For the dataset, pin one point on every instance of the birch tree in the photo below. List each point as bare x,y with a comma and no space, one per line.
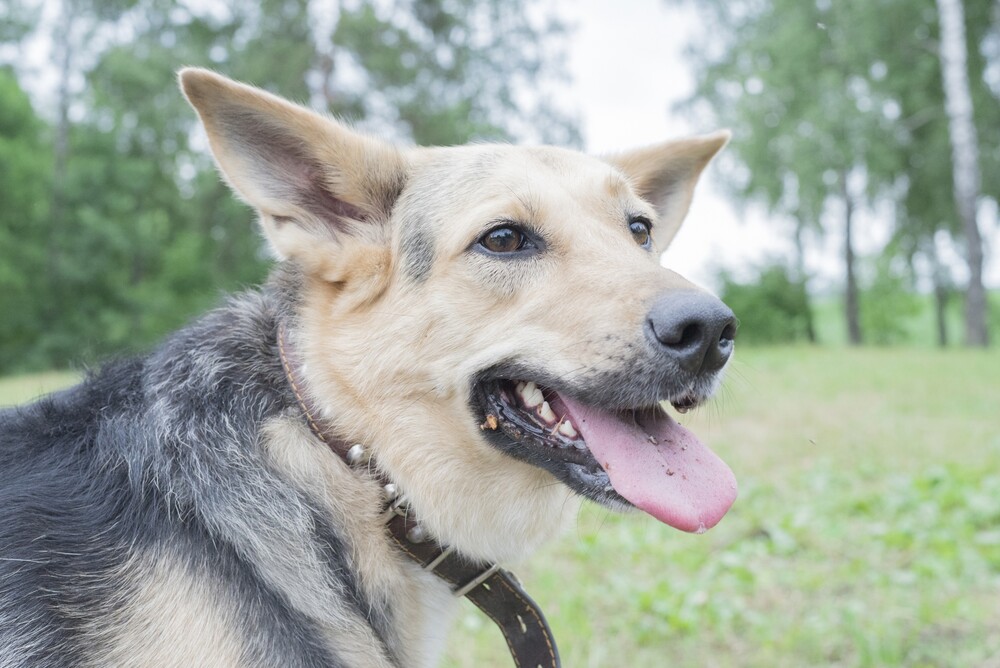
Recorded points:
965,159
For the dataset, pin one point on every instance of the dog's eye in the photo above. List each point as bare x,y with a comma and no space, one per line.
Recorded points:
503,240
640,227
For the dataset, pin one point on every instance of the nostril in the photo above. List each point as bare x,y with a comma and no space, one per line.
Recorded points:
728,333
691,335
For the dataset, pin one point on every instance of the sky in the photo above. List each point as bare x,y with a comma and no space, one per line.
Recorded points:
626,60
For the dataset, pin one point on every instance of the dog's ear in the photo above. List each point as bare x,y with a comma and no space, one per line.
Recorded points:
320,188
665,175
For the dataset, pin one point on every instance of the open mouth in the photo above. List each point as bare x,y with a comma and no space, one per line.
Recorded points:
638,457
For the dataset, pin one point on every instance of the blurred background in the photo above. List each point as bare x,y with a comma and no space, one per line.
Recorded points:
852,224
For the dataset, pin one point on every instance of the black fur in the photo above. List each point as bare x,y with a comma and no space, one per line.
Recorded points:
161,455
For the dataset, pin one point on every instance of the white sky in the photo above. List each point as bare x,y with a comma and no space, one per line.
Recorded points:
627,61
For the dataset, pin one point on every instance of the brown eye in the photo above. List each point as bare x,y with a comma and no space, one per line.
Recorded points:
503,240
639,227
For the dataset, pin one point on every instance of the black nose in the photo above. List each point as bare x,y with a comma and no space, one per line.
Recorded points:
694,329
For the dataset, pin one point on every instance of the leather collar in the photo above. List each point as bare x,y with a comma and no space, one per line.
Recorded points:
492,589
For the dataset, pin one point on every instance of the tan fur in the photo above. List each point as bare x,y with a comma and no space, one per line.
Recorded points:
175,619
389,358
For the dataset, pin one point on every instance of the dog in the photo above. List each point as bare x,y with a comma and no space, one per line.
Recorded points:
487,326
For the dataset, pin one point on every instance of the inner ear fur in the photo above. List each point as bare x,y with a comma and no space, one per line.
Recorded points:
665,175
314,182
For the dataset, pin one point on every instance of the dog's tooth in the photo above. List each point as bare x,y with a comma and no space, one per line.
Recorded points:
567,429
546,412
520,387
531,395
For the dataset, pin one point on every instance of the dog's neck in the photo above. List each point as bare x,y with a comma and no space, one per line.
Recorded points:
494,590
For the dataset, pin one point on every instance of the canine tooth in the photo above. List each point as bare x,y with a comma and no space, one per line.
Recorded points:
520,387
566,429
531,395
546,412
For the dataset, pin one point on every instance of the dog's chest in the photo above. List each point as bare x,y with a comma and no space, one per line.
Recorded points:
426,619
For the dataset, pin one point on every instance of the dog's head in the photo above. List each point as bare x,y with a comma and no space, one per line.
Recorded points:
490,319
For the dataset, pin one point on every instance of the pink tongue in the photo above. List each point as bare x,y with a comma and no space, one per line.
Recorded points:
677,479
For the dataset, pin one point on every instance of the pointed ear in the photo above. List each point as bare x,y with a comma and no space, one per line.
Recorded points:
665,175
314,181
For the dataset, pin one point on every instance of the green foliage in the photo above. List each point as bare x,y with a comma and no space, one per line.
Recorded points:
25,173
888,304
774,308
453,71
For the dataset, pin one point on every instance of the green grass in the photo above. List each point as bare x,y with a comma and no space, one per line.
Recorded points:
18,389
867,532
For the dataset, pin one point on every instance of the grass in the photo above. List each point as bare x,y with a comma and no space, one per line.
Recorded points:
18,389
867,532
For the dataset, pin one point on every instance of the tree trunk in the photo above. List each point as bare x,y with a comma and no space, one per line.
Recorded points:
965,159
939,277
851,300
60,158
800,269
940,313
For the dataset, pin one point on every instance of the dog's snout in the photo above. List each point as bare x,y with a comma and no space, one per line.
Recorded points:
694,329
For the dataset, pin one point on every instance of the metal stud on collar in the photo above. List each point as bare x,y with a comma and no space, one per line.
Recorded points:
357,454
417,534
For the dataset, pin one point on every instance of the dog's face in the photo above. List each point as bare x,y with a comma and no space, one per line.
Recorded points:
491,319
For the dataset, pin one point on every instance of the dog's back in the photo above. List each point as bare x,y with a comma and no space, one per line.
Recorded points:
61,501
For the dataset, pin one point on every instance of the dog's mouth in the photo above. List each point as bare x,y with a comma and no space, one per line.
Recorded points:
636,457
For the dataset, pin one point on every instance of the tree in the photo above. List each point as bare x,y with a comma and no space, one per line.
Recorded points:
965,159
772,308
25,171
454,72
